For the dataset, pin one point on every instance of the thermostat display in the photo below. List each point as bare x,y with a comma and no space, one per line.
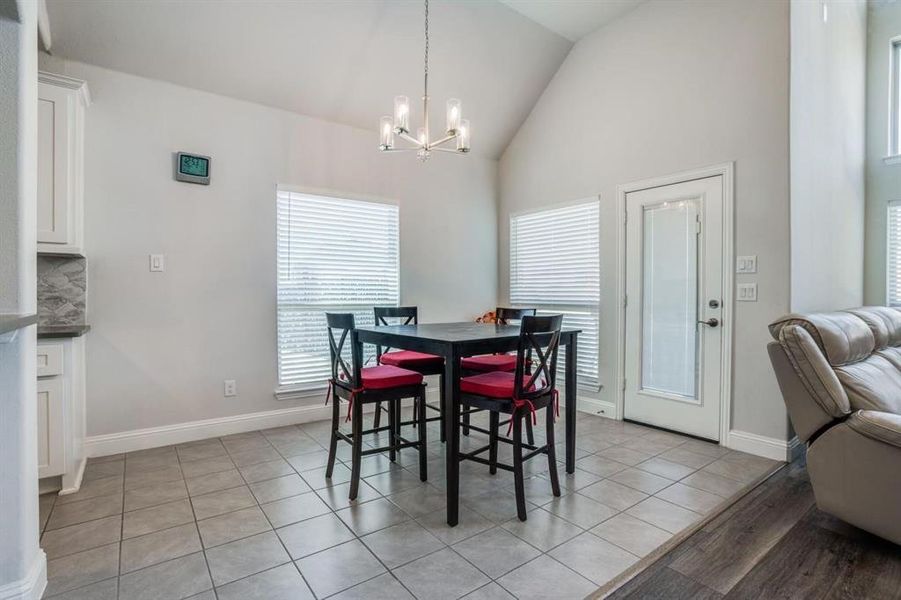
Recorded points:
192,168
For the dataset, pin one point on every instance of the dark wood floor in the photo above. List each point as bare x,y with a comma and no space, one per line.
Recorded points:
774,543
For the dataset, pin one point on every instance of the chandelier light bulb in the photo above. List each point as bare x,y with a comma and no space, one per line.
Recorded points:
454,110
463,136
386,126
401,114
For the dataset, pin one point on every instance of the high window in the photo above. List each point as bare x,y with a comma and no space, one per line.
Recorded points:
555,267
334,255
893,259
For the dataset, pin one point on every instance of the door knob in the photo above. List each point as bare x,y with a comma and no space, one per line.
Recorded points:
713,322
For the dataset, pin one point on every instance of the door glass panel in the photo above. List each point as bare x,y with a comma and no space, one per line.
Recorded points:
669,334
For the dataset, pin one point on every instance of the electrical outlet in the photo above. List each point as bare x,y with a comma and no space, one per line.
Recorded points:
157,263
747,292
230,388
746,264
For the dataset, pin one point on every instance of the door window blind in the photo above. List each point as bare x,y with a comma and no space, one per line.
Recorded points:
555,267
334,255
893,260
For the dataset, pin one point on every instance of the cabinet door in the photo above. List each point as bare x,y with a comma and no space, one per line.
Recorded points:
56,108
51,457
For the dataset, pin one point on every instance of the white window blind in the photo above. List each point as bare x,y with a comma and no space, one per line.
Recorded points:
334,255
555,267
893,262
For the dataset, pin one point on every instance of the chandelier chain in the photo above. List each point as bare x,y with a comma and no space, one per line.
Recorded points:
426,91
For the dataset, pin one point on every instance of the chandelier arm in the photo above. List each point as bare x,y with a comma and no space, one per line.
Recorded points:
410,139
452,151
443,140
399,149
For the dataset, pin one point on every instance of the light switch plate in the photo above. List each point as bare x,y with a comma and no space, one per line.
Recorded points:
747,292
157,263
746,264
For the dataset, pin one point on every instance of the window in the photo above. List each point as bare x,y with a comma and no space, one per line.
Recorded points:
893,258
334,255
895,91
555,267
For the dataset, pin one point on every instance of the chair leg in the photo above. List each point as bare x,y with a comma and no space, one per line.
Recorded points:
357,449
529,435
423,440
552,451
494,417
392,422
397,421
378,415
441,403
333,442
466,423
517,467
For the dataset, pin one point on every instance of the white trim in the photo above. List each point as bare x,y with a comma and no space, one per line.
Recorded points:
154,437
32,586
66,82
596,407
892,160
726,171
191,431
766,447
44,26
76,479
335,193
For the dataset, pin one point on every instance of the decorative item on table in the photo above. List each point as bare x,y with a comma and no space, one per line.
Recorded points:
488,317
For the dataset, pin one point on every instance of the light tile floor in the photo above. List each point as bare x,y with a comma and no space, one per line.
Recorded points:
252,516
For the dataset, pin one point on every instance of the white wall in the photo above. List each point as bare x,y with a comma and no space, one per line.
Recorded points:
22,562
883,181
828,74
162,343
669,87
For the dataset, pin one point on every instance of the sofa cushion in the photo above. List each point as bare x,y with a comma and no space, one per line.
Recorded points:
872,384
818,377
843,337
884,322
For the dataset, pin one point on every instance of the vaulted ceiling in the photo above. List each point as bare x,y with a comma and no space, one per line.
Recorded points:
341,61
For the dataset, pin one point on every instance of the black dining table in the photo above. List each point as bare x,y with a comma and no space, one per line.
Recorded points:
454,341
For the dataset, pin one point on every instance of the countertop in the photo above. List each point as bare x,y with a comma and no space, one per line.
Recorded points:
12,322
62,331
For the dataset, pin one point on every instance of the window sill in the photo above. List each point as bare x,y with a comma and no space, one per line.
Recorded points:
293,393
894,159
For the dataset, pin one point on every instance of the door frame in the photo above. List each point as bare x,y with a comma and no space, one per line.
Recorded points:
726,171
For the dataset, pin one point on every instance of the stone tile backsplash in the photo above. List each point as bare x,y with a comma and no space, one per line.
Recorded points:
62,290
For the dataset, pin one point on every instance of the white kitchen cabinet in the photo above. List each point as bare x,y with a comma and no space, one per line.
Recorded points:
61,411
60,212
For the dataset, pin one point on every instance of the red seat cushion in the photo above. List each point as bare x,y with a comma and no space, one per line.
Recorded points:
410,359
490,362
496,384
387,376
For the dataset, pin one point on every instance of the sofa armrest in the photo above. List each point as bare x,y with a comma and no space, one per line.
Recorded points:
881,426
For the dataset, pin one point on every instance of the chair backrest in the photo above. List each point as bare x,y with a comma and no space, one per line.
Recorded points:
503,314
543,379
405,315
400,315
340,326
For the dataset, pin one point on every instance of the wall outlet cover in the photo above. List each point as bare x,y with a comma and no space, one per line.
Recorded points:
157,263
229,388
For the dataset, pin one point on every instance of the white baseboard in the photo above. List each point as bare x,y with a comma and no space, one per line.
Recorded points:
154,437
766,447
32,586
70,486
596,407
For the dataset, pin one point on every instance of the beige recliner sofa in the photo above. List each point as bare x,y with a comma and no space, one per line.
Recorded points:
840,376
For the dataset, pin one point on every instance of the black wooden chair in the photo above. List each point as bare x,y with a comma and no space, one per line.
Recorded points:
520,395
487,363
360,386
425,364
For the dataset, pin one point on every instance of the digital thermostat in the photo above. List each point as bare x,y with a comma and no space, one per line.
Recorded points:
192,168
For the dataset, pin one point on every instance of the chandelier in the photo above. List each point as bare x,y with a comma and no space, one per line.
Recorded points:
457,128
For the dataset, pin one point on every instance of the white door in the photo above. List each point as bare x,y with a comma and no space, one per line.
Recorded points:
674,314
